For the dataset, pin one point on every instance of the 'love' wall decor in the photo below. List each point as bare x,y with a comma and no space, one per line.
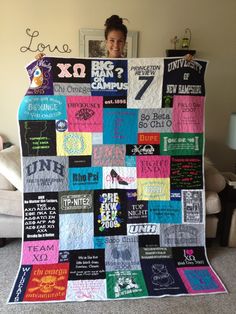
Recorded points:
112,163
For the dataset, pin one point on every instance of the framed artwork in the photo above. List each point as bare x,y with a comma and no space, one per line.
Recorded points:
92,43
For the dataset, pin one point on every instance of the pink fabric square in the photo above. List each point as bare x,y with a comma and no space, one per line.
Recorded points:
40,252
212,275
85,113
187,115
153,166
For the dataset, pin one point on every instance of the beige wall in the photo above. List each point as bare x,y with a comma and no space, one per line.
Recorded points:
213,25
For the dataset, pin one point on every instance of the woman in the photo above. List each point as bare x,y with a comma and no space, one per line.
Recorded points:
115,35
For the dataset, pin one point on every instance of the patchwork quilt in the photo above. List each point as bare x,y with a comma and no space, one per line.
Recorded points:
112,162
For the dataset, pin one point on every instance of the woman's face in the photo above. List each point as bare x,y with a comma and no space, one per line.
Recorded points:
115,44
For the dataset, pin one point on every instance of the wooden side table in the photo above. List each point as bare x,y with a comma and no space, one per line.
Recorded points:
228,202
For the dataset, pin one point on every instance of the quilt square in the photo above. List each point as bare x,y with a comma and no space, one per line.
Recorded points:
200,280
71,71
40,252
43,108
74,144
145,83
120,126
76,231
155,120
181,144
162,277
122,253
45,174
87,264
75,202
114,102
86,178
137,211
109,77
151,189
188,114
153,166
41,77
41,216
19,289
108,155
47,282
182,235
193,206
143,229
110,213
152,252
85,113
164,212
149,138
190,256
182,77
38,138
186,172
128,284
82,290
142,150
80,161
119,178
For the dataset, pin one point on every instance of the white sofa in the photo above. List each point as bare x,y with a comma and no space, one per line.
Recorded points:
11,198
214,183
10,194
10,210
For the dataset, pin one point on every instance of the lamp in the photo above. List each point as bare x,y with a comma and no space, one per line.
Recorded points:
232,131
186,40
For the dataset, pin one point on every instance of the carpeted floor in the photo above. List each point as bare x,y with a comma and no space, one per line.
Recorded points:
222,259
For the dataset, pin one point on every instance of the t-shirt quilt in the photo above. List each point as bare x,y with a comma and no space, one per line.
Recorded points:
112,163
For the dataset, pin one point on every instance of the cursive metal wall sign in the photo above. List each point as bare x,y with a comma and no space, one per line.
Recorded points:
41,47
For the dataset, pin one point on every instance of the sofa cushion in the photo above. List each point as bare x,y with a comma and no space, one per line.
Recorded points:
213,204
10,227
10,165
11,203
214,180
5,184
211,226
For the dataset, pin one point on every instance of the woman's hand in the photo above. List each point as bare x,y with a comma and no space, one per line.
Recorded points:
188,57
40,56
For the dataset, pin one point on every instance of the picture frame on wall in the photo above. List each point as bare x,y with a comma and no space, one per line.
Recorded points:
92,44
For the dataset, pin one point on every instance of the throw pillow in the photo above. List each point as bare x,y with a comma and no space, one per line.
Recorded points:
10,165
